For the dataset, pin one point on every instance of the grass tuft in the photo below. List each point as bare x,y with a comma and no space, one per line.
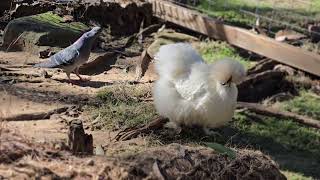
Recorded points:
215,50
307,103
122,106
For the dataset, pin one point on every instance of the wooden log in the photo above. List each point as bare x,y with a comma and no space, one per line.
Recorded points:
257,87
262,66
78,141
268,47
260,109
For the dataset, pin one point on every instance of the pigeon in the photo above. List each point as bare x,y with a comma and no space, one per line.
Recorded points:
73,56
190,92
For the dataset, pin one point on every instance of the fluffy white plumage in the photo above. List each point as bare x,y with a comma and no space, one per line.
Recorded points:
192,92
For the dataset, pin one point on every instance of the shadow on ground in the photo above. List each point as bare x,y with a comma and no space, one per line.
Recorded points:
285,141
41,96
93,84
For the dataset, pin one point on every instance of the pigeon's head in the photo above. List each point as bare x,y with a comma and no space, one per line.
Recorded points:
93,32
227,72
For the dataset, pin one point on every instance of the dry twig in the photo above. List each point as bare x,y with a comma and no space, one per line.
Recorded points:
133,132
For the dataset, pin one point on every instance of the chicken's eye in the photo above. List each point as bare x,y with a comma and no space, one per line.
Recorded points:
228,82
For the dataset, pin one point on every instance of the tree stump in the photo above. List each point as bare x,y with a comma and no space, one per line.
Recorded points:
78,141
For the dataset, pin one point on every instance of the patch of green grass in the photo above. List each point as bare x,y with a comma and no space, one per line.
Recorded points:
226,10
307,103
57,21
215,50
295,176
293,146
290,135
236,12
122,106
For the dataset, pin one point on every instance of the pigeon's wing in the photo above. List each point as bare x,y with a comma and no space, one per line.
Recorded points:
65,57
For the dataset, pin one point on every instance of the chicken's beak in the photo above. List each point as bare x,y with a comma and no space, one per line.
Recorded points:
228,82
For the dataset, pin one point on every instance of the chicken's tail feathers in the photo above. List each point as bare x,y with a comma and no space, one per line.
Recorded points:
174,60
46,64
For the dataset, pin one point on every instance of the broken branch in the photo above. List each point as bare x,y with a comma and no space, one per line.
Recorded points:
36,116
268,111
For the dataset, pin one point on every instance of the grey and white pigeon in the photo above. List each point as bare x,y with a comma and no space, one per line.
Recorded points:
73,56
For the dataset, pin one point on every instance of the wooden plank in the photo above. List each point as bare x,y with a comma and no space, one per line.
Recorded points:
265,46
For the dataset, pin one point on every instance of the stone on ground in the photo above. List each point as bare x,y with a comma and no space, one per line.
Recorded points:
47,29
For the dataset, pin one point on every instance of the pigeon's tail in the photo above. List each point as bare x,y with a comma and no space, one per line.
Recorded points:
46,64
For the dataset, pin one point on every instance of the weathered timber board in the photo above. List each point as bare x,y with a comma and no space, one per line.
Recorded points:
281,52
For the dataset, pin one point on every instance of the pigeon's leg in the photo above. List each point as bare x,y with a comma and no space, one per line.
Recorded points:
69,79
81,79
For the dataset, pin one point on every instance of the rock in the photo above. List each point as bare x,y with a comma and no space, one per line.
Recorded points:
45,29
78,141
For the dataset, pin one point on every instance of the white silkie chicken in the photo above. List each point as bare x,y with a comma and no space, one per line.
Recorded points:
192,92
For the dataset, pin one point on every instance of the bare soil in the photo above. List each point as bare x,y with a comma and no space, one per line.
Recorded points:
36,148
25,91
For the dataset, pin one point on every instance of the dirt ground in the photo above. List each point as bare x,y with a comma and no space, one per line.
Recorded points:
35,148
37,106
23,92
